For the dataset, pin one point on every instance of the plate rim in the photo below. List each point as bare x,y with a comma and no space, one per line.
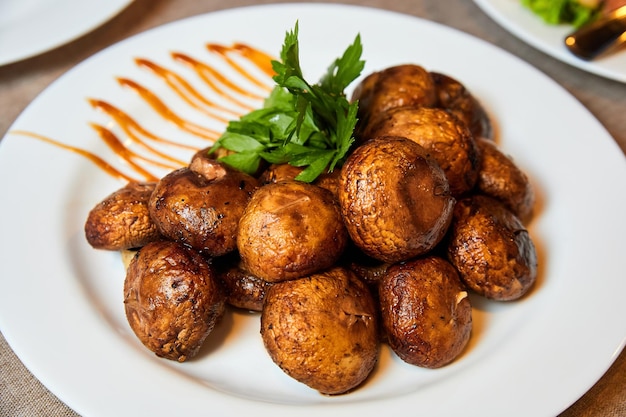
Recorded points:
111,8
147,33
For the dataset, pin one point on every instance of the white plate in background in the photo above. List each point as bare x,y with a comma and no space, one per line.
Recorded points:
61,301
530,28
30,27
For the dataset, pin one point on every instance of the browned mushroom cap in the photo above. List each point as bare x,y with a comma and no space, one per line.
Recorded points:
322,330
426,312
369,270
201,205
329,181
290,229
394,199
447,140
455,98
122,220
397,86
282,172
242,289
501,178
491,249
206,153
172,300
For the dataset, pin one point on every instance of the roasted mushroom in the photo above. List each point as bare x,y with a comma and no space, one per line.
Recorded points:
501,178
447,140
397,86
322,330
425,310
122,220
281,172
201,205
172,299
491,249
395,200
290,229
458,100
242,289
366,268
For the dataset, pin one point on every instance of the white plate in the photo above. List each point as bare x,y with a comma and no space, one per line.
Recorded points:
61,301
30,27
521,22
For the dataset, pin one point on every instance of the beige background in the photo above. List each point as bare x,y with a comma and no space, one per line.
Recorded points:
22,395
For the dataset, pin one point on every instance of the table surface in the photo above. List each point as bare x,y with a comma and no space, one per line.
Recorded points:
21,394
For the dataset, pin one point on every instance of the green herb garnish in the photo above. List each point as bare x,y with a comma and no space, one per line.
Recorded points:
305,125
572,12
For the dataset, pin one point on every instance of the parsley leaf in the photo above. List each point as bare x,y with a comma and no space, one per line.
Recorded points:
303,124
555,12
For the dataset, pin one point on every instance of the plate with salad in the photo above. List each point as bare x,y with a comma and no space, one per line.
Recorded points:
545,24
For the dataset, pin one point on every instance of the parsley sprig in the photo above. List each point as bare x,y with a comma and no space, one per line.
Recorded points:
303,124
574,12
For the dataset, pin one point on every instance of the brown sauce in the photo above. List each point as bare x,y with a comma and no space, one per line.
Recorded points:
97,161
134,130
224,87
260,59
168,114
215,80
187,92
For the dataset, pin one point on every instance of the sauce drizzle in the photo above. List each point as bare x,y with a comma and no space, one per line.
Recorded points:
186,91
220,84
124,152
98,161
260,59
249,67
130,126
167,113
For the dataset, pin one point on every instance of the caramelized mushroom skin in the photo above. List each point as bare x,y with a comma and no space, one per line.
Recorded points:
426,312
242,289
281,172
491,249
395,199
290,229
172,299
322,330
447,140
201,205
454,97
392,87
500,177
122,220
